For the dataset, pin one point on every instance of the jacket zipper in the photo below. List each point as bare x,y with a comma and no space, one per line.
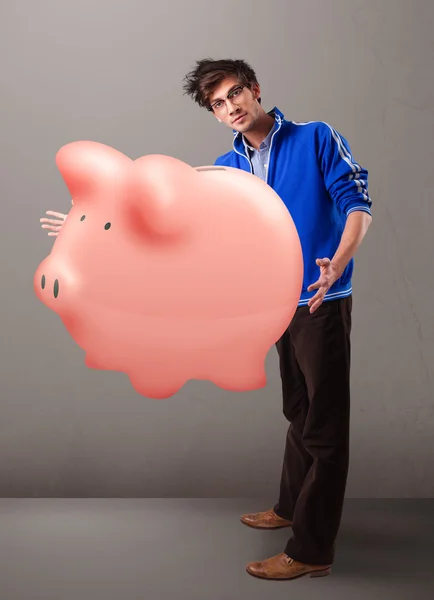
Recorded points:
245,156
269,153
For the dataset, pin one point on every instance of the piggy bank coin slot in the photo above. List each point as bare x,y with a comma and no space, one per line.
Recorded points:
199,169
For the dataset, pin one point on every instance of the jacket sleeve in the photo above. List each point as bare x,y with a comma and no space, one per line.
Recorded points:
345,180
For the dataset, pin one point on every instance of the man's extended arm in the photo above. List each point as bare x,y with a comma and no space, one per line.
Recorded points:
355,230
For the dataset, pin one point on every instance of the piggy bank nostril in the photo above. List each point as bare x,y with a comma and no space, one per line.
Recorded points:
56,288
43,282
107,226
82,218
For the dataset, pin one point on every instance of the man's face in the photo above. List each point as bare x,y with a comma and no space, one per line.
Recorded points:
239,112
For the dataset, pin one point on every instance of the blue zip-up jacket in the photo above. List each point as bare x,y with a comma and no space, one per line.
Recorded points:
311,168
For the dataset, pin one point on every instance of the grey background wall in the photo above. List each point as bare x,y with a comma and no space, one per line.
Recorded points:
112,71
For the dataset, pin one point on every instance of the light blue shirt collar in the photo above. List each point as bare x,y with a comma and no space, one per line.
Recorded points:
265,144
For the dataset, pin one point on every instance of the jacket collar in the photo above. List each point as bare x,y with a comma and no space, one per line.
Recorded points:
238,138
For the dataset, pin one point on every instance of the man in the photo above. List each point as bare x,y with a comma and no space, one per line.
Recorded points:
311,167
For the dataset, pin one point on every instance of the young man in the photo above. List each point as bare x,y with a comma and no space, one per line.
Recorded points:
311,167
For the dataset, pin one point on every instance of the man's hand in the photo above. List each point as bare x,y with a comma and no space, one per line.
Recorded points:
355,230
55,225
328,275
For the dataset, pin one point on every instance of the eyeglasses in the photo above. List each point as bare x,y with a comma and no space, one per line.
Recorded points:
233,95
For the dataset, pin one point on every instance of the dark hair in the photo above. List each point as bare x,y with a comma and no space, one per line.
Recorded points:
208,74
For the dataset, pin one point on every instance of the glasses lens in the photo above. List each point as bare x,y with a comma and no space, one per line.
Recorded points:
232,96
235,93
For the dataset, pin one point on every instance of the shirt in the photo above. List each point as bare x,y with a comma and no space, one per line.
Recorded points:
259,158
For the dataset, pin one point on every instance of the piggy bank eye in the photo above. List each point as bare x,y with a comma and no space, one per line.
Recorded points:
107,226
82,218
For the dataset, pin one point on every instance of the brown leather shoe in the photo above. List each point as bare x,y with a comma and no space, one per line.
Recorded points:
265,520
282,566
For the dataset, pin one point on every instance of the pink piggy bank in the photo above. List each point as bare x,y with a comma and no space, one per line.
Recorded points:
168,273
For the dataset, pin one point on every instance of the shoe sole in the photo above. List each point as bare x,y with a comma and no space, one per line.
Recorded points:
312,574
262,527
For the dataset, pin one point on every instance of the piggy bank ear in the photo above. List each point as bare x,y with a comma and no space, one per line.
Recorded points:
162,194
86,167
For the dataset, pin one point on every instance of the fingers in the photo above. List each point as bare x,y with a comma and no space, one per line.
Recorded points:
323,282
318,296
322,285
314,286
323,262
315,305
317,300
55,225
51,221
56,214
52,227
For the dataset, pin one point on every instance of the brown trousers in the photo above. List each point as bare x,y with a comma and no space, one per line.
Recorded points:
314,355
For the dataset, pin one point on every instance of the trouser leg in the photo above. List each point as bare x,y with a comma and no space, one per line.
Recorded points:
321,345
297,460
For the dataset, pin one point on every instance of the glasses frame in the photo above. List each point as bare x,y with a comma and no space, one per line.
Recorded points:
241,87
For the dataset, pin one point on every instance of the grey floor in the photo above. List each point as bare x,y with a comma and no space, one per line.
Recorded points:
92,549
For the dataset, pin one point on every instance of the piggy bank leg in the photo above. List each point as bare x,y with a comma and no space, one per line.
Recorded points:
238,371
157,382
156,391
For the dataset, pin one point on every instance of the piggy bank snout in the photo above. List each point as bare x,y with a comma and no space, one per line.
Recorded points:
49,284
